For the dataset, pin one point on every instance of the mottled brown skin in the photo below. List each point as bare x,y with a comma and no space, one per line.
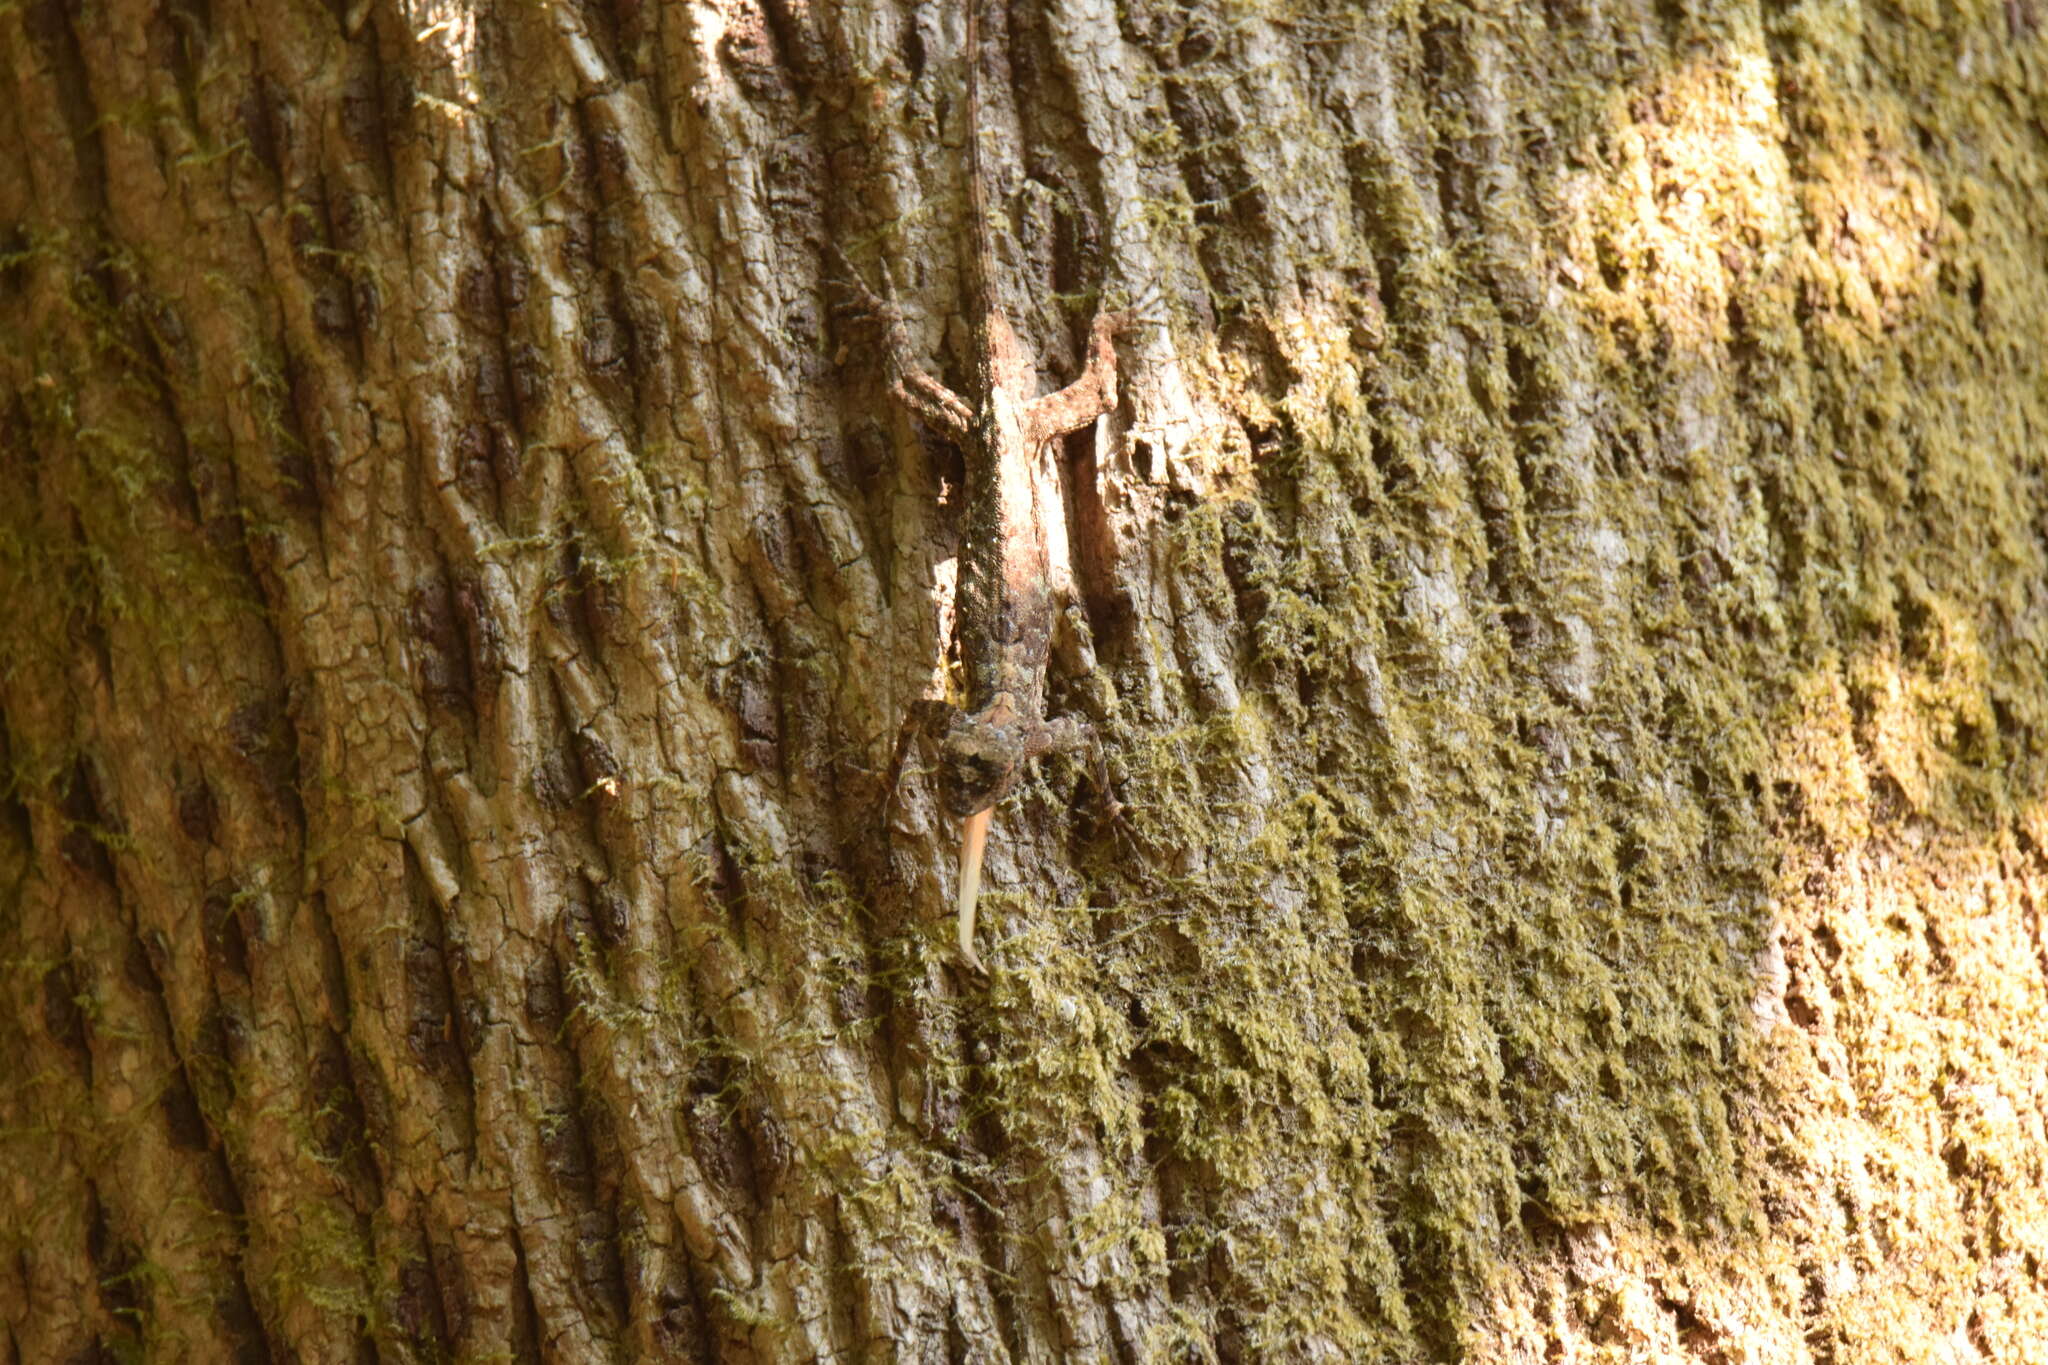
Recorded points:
1006,608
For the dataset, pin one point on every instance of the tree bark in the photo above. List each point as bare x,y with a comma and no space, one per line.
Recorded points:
1563,590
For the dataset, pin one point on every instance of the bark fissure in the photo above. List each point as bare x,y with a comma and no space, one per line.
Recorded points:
1562,592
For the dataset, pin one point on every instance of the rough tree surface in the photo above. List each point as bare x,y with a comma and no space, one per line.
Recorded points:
1565,591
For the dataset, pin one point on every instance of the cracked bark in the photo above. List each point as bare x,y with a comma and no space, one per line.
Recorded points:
1563,591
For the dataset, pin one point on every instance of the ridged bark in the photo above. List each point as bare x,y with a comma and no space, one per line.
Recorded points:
1565,591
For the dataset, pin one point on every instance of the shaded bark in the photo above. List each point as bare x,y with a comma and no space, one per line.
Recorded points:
1563,590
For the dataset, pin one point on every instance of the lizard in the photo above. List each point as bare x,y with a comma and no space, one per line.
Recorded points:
1005,608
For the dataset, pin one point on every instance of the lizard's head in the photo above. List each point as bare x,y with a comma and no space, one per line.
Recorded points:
982,763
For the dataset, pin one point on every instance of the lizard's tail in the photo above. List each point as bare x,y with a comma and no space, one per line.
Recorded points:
981,258
973,839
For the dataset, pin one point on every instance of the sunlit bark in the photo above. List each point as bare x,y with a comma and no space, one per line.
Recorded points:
1563,590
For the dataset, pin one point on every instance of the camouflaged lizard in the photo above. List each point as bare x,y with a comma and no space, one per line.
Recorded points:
1006,610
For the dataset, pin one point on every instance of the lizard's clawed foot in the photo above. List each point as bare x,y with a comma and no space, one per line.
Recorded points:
1117,816
1142,311
863,302
928,718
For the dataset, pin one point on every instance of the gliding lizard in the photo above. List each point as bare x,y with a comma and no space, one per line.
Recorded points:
1005,605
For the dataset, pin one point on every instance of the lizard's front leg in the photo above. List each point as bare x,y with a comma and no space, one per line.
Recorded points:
928,719
1066,734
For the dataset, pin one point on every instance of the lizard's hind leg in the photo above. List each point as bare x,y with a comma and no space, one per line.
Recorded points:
910,385
933,401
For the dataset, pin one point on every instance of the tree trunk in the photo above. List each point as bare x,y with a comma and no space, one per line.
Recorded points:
1565,592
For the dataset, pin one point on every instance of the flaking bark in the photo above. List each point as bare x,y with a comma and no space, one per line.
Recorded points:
1563,594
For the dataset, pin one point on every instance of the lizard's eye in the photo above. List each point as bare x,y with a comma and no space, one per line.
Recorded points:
974,782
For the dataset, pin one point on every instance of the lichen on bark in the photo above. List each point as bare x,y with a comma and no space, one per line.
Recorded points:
1563,589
